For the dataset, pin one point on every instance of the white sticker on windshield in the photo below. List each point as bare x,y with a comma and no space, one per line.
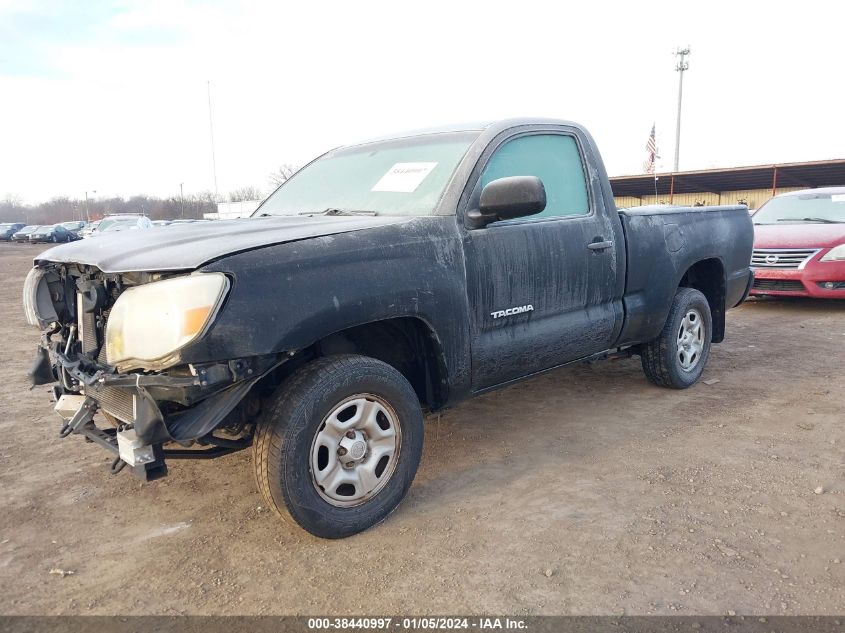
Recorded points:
838,197
404,177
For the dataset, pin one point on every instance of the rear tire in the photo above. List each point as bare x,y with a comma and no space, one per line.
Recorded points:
676,358
339,419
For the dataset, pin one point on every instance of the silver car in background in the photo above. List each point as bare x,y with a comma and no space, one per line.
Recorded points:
115,223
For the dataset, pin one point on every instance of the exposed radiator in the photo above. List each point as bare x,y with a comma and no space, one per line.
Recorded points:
102,357
118,402
86,323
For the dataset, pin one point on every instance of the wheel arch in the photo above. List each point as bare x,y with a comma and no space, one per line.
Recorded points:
408,344
708,277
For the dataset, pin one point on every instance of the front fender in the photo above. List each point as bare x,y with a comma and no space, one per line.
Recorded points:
286,297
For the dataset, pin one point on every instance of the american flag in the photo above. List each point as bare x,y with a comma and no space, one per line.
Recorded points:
651,153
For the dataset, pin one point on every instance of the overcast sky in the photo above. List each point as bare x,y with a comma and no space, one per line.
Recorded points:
111,96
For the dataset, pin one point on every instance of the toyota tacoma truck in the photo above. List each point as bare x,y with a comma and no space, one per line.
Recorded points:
383,281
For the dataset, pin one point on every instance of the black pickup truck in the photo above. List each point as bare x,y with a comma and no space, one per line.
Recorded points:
383,280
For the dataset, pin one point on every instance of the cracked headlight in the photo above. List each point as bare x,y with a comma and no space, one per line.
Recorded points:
149,324
835,254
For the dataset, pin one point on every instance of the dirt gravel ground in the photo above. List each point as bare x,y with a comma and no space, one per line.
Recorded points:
583,491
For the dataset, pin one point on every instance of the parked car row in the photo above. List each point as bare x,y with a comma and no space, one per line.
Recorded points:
33,233
79,229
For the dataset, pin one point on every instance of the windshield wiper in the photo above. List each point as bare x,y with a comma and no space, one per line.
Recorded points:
822,220
333,211
329,211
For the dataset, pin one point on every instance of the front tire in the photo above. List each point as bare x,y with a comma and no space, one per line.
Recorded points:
676,358
339,446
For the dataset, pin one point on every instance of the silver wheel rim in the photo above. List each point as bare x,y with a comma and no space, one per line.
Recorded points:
690,340
354,452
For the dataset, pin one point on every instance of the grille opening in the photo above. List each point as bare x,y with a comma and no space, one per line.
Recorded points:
783,285
781,257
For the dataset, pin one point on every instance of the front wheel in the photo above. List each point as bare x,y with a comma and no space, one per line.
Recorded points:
339,446
676,358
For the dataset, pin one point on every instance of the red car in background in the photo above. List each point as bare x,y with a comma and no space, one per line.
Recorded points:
799,244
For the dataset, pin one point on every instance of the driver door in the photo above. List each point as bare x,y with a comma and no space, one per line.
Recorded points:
541,293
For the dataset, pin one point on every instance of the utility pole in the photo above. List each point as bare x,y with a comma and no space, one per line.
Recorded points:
181,200
87,213
211,132
681,67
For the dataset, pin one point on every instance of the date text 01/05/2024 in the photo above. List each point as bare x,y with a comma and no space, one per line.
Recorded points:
423,623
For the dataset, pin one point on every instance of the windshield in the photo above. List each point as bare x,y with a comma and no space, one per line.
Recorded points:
821,208
72,225
399,177
105,225
28,229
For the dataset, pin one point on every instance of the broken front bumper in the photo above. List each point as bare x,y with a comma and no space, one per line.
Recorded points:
134,401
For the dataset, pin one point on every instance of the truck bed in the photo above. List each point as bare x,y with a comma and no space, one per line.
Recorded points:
663,241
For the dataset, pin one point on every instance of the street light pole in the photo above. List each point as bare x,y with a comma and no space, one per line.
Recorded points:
681,67
87,213
181,201
211,134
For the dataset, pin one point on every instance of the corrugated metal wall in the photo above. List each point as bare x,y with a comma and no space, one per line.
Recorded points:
754,198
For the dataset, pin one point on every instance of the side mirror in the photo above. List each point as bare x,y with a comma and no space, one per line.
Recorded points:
509,198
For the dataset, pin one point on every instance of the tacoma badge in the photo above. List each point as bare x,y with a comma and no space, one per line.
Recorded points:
511,311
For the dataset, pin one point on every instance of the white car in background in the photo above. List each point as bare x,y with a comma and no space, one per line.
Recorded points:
75,226
114,223
89,229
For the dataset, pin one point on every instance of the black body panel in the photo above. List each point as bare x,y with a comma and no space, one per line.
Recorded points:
664,243
288,296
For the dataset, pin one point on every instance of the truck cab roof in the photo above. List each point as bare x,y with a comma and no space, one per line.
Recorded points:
493,127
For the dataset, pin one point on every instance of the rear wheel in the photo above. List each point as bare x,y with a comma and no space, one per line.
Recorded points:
340,445
677,357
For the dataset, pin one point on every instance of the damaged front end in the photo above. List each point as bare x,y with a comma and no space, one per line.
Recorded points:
113,344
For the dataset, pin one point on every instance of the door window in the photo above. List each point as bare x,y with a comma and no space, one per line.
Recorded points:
554,159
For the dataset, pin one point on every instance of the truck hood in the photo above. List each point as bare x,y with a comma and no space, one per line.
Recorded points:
788,235
189,246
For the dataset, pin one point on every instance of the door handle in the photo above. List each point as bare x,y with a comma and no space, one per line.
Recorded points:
599,246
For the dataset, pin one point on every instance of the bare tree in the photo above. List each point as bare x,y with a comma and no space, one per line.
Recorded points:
12,209
282,174
61,209
12,200
245,193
